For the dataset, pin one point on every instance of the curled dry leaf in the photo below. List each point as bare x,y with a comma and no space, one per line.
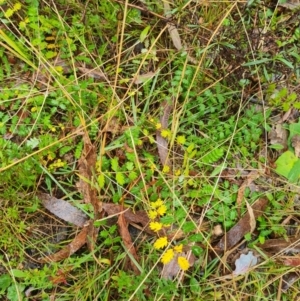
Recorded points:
162,143
142,78
70,249
87,164
292,261
288,280
237,232
249,179
125,235
281,245
296,144
278,135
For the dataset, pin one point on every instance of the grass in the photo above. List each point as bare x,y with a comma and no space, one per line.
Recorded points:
112,70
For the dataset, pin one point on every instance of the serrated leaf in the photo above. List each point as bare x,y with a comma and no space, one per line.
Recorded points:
120,178
132,175
101,180
114,164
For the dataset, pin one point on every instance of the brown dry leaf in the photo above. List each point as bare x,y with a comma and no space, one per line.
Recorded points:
125,235
237,232
293,261
278,135
70,249
162,143
63,210
87,164
93,73
252,221
249,179
296,144
276,245
172,28
290,4
288,280
142,78
139,217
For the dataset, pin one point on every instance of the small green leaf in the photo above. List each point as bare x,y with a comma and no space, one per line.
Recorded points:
197,251
277,146
188,227
144,33
19,273
257,62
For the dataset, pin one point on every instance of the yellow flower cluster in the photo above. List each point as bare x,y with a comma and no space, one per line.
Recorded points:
57,164
8,13
159,209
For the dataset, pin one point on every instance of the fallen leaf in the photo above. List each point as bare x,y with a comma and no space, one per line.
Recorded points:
278,135
252,221
142,78
253,175
237,232
87,164
126,238
93,73
172,28
296,144
291,4
292,261
139,217
68,250
162,143
244,263
277,245
288,280
63,210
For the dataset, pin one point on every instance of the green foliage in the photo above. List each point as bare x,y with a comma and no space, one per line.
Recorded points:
213,156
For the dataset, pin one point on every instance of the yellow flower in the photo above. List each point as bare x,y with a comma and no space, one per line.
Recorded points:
8,13
183,263
166,133
166,169
178,172
158,126
161,243
156,226
152,214
17,6
178,249
180,139
162,210
167,256
156,204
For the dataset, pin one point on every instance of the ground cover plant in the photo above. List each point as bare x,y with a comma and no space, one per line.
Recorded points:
149,150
